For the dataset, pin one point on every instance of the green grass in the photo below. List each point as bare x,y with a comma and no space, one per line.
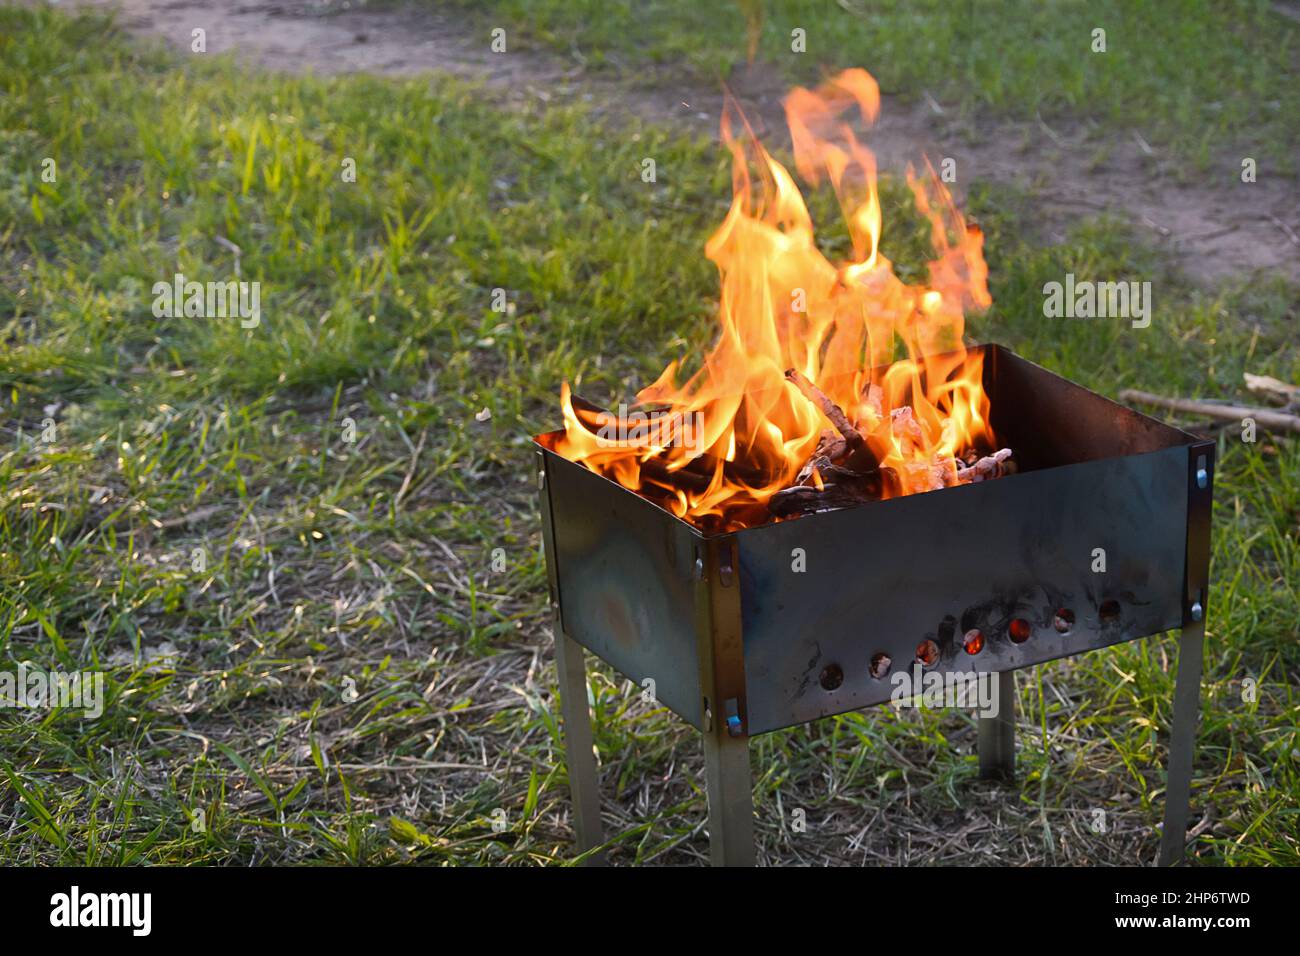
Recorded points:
1202,75
329,566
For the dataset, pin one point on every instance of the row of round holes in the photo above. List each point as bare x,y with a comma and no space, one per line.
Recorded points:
927,652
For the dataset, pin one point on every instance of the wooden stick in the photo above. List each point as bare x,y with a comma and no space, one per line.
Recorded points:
686,479
1267,418
1279,393
803,499
859,455
988,467
828,407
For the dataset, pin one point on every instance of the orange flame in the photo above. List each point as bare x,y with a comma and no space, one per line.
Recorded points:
784,305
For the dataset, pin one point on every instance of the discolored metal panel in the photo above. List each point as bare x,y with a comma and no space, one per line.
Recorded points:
883,577
623,570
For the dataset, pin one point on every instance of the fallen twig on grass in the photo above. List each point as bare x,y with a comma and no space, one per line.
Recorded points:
1267,418
1269,388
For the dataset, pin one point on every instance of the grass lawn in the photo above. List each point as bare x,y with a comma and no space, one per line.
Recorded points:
1200,75
310,657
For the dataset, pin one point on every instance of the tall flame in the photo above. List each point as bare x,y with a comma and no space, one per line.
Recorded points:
783,306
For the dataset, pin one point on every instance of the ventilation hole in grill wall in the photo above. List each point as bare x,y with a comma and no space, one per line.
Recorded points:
1064,620
1109,611
880,664
973,641
927,652
832,676
1019,630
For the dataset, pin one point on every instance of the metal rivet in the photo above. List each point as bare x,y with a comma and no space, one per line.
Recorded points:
541,479
1202,478
699,569
725,564
732,709
1198,612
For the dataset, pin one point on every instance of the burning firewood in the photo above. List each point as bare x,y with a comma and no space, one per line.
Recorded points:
857,455
906,429
990,466
874,397
805,499
844,471
831,446
823,484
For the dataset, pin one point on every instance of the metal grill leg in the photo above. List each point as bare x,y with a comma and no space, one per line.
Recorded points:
731,798
997,735
1182,743
584,785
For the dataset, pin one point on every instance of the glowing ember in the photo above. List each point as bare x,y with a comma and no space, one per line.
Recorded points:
786,308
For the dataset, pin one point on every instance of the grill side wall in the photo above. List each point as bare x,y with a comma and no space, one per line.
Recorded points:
883,578
623,570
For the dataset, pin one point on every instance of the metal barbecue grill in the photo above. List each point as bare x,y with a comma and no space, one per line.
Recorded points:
738,644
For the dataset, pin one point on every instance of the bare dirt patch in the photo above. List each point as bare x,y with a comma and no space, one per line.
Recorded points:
1217,228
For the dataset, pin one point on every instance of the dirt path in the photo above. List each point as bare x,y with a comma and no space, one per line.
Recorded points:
1217,229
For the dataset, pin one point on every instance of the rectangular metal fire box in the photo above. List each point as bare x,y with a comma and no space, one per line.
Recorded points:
1102,536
